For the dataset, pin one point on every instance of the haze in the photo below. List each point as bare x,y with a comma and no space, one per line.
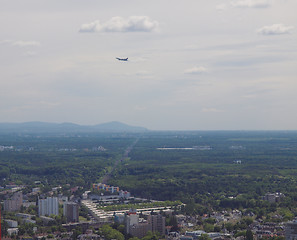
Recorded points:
193,65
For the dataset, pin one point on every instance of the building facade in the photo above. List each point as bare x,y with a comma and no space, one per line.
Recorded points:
48,206
105,187
70,211
14,204
139,227
291,230
157,223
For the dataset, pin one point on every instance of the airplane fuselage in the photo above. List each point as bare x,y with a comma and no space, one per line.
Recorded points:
122,59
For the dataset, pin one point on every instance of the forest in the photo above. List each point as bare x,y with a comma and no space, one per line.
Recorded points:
205,169
59,159
235,170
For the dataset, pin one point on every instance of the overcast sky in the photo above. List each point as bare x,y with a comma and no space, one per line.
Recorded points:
193,64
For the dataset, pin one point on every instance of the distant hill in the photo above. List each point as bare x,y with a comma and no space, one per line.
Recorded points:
44,127
118,126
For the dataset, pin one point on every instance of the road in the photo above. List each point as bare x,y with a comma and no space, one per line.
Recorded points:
107,176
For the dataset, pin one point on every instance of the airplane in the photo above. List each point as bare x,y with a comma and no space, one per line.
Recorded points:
122,59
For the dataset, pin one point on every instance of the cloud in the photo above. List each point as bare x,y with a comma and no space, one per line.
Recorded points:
196,70
143,73
139,108
21,43
26,43
221,7
192,47
48,104
211,110
119,24
29,54
138,59
250,3
275,29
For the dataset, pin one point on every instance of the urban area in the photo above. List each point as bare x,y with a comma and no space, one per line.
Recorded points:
73,213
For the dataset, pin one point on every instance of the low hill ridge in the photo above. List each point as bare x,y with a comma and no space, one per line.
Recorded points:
35,127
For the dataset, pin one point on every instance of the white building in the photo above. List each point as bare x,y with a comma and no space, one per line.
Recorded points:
12,231
36,190
124,194
11,223
48,206
132,219
85,195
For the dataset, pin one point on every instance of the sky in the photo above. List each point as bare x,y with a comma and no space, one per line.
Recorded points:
193,64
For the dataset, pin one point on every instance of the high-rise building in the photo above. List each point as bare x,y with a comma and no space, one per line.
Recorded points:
135,227
291,230
139,227
48,206
15,203
131,219
157,223
70,211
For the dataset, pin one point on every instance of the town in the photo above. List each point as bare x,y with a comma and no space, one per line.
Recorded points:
72,213
229,185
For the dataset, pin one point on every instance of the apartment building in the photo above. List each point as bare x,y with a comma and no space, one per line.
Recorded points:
291,230
14,203
70,211
157,223
48,206
102,186
138,227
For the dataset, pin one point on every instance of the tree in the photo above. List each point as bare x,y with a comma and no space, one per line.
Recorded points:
229,226
76,232
150,236
190,207
217,228
208,227
121,228
172,221
204,237
4,226
249,235
110,233
26,228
